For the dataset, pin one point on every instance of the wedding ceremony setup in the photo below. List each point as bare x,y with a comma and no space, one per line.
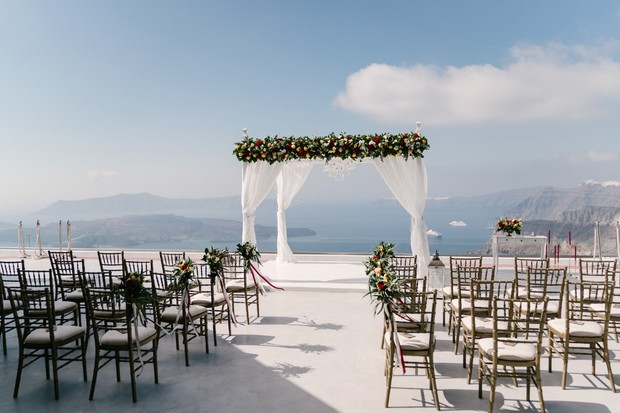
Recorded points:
335,332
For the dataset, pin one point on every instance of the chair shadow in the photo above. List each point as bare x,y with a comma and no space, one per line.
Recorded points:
250,339
277,320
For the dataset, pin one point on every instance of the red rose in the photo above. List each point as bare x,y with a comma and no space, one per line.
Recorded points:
376,139
259,142
381,286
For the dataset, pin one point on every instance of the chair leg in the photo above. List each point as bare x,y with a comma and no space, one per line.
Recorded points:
84,368
213,315
593,355
247,306
541,400
431,372
94,382
132,374
390,368
607,361
492,393
55,373
564,363
20,367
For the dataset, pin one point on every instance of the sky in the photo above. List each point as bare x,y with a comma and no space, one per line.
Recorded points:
101,97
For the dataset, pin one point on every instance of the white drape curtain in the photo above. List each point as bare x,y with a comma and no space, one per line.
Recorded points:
291,178
407,180
257,180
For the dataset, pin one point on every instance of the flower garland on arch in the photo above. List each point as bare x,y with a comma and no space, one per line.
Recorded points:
342,146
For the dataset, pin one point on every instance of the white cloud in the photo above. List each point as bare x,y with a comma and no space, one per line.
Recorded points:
100,175
598,157
551,82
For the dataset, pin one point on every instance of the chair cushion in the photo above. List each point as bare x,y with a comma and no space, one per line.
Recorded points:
62,333
577,328
600,308
120,339
522,293
60,307
466,305
204,299
171,314
6,307
75,296
483,324
507,350
111,314
411,341
237,285
447,292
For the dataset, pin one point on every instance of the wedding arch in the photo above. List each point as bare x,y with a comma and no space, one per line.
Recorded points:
287,162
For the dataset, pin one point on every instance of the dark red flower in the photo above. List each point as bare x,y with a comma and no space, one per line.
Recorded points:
381,286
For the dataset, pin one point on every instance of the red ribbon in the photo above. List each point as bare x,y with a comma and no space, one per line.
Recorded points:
255,272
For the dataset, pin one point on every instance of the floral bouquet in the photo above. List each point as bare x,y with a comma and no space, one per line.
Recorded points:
134,292
182,276
383,284
249,253
214,257
509,225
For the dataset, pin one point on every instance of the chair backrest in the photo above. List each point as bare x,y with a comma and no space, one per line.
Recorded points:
518,319
582,294
98,279
549,283
36,280
65,270
411,288
615,276
521,266
595,269
9,273
404,266
423,305
144,267
455,263
467,273
37,307
169,260
482,293
234,266
107,312
202,275
111,261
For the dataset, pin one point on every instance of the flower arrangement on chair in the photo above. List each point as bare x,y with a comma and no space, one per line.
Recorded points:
509,225
251,259
214,257
383,286
182,276
134,292
249,253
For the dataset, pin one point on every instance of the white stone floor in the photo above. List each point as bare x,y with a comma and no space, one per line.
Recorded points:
315,348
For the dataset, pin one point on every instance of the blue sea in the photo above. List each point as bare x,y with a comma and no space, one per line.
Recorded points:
358,228
347,227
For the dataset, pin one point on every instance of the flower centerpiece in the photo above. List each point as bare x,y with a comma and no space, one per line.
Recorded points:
214,257
133,291
182,276
383,286
509,225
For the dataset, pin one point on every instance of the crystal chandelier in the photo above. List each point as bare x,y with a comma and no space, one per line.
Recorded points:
338,168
